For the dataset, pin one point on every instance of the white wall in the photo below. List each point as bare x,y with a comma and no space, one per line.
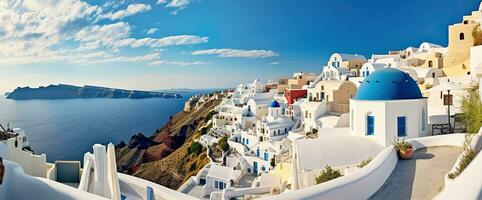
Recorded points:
35,165
476,65
358,112
386,113
240,192
363,183
315,109
468,185
137,187
476,62
18,185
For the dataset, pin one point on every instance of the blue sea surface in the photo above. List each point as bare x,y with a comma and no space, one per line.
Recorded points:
66,129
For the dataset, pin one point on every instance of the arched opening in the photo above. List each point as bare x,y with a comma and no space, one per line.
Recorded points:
461,36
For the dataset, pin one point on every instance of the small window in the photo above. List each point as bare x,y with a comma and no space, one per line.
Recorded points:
424,120
462,36
466,21
401,126
370,125
430,63
216,184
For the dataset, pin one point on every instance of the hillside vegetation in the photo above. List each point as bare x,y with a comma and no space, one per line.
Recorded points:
165,157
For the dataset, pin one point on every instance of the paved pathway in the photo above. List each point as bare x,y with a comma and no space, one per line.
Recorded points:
421,177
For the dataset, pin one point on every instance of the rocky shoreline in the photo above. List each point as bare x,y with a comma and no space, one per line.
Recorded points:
163,158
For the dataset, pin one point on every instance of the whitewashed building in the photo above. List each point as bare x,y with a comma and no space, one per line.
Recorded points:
388,104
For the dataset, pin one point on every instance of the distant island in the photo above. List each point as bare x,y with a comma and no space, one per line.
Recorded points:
63,91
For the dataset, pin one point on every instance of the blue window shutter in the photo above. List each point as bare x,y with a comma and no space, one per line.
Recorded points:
266,156
257,152
150,193
216,184
401,126
370,125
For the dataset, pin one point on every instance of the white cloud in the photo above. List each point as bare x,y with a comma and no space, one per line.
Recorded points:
274,63
151,31
132,9
148,57
117,35
237,53
29,28
113,3
175,4
169,41
107,35
161,1
46,31
178,3
182,63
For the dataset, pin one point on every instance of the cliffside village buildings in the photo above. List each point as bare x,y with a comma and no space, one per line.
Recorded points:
283,132
274,127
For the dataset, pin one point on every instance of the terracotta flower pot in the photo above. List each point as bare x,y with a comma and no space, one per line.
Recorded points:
406,154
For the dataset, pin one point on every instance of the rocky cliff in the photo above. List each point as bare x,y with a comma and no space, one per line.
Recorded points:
164,157
70,92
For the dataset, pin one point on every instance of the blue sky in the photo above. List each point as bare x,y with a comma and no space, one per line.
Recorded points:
155,44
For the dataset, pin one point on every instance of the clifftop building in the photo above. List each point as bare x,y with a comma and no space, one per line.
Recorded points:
462,36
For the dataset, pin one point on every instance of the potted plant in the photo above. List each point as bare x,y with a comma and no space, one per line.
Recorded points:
404,148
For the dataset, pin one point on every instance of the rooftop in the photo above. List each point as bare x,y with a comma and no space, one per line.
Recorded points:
388,84
220,172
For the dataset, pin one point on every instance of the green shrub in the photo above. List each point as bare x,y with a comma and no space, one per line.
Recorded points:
209,116
192,167
327,174
401,145
195,148
223,144
468,156
364,163
477,34
472,109
205,130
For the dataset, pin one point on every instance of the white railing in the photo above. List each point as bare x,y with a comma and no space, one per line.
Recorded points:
365,182
18,185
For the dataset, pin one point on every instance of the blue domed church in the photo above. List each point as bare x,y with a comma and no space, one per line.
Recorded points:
388,104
